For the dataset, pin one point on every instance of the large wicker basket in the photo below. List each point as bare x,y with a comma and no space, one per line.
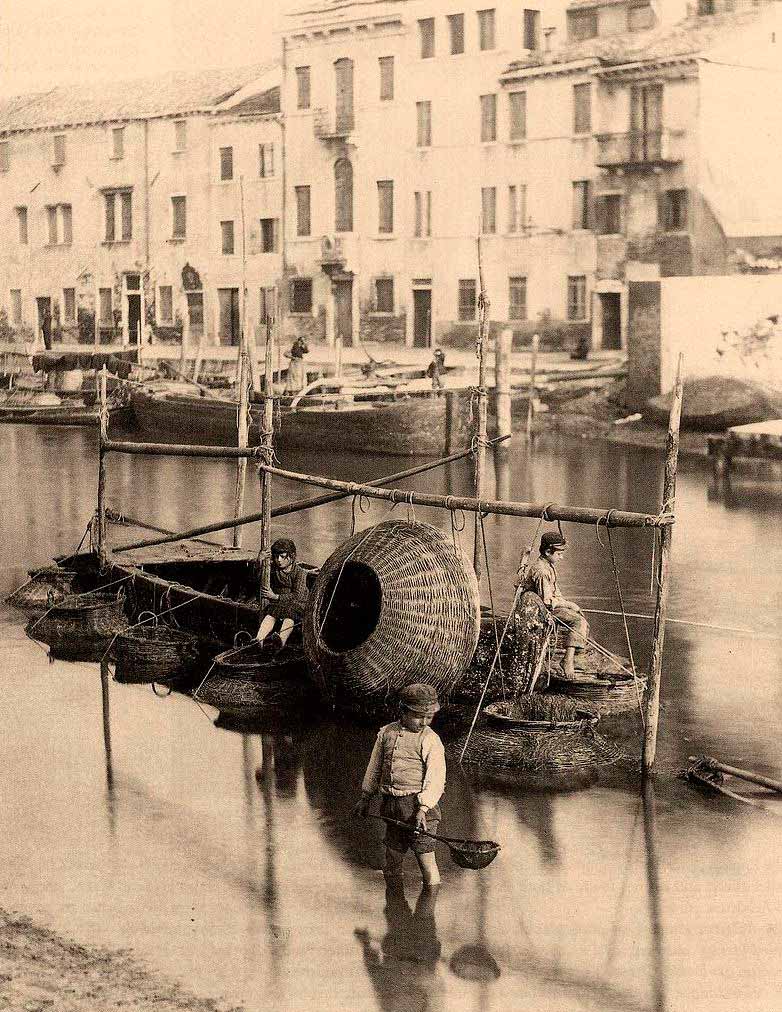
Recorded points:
254,661
603,695
46,587
396,603
245,698
81,628
146,654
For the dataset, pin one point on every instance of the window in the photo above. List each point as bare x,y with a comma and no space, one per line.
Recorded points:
674,207
195,313
118,214
16,305
166,304
266,304
66,224
488,117
582,108
343,195
58,149
5,156
705,6
423,213
180,134
51,219
265,160
517,298
486,29
301,295
302,87
531,29
21,221
639,17
468,301
456,29
385,205
60,224
488,209
179,217
582,204
69,305
226,163
303,224
517,207
269,232
386,65
426,37
608,214
576,297
118,142
227,237
384,295
517,104
582,24
424,119
105,316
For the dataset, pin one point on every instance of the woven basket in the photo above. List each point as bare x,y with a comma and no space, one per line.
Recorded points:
241,697
46,587
603,695
254,662
148,654
81,628
395,604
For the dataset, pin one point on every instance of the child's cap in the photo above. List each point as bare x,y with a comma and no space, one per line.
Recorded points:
551,539
420,699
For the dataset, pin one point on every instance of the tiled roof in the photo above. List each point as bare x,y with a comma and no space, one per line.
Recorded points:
122,100
688,37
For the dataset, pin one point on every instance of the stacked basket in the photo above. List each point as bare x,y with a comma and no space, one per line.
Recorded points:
146,654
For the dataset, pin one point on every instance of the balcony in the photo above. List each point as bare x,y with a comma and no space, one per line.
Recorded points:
333,254
640,149
329,126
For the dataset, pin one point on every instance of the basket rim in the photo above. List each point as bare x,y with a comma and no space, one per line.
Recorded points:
95,602
173,635
582,716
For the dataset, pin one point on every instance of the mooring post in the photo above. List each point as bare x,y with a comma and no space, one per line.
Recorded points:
532,369
661,607
502,381
103,435
479,440
267,447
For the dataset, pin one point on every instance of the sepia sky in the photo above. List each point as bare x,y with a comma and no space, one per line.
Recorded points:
48,42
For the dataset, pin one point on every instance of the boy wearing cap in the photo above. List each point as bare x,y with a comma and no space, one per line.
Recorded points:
407,768
541,577
288,593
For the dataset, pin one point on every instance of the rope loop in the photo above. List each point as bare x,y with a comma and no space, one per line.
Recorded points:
364,503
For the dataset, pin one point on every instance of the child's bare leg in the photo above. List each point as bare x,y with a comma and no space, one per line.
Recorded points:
267,624
394,862
285,630
430,873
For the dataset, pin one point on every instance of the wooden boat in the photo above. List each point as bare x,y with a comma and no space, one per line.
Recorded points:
43,408
411,425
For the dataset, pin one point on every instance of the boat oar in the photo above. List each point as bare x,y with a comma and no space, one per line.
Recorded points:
473,854
707,764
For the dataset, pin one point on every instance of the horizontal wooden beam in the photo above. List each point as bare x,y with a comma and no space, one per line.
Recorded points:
175,450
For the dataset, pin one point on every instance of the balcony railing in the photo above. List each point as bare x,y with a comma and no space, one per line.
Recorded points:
653,147
330,126
332,251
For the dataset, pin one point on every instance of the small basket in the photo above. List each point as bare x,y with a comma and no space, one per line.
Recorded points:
82,627
612,694
242,697
255,662
474,854
146,654
45,587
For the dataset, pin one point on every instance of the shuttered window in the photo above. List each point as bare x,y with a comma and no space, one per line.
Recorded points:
384,295
582,204
302,87
488,209
166,300
386,65
426,37
576,297
486,29
517,298
265,160
517,207
343,195
179,217
303,223
468,300
385,205
424,124
301,295
21,219
456,31
118,142
608,214
226,163
517,106
531,29
582,108
488,117
227,237
69,305
269,235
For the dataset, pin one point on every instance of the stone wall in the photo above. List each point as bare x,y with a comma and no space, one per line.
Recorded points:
643,343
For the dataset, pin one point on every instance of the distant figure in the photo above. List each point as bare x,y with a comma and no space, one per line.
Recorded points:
436,369
297,375
288,594
541,577
407,768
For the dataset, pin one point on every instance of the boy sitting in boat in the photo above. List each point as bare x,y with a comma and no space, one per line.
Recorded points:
287,596
407,768
541,577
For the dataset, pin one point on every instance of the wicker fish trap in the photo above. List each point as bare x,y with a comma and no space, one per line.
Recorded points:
45,587
80,628
614,694
254,661
396,603
146,654
242,697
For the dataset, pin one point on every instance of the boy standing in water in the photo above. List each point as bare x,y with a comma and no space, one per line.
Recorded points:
407,768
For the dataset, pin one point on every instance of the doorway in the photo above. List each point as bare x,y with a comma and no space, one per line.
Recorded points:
44,304
611,317
133,294
229,315
422,317
343,311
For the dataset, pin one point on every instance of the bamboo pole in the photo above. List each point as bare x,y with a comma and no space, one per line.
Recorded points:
264,473
103,436
288,508
176,450
661,608
531,400
479,442
242,432
502,382
707,763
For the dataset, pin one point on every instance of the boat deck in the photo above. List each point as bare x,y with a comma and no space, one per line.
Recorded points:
182,551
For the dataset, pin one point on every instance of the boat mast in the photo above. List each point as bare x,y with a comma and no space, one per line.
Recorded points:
241,464
267,455
479,440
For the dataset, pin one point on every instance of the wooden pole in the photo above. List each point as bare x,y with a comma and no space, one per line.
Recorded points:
267,447
338,357
103,436
707,763
661,608
654,892
532,369
242,425
479,443
184,343
502,382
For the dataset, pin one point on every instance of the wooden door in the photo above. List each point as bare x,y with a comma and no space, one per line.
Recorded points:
422,317
646,119
611,337
343,311
229,315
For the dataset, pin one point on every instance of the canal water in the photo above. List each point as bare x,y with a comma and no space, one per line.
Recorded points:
230,862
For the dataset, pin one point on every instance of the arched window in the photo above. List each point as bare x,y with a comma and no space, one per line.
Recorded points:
343,196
